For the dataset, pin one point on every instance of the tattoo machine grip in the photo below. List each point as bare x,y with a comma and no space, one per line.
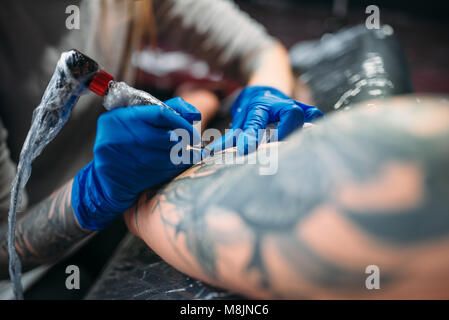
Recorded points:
100,82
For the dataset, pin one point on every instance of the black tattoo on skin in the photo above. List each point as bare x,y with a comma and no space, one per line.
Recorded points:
354,148
44,233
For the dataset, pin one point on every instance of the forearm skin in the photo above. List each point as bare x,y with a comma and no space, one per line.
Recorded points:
45,232
273,69
365,187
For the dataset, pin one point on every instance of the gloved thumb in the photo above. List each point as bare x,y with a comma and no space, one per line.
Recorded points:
310,112
187,111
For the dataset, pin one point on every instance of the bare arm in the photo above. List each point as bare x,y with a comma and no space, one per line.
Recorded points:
366,187
45,232
273,69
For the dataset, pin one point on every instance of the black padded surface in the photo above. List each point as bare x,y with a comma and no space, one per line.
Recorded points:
135,272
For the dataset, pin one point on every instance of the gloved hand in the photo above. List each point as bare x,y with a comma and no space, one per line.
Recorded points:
131,154
254,109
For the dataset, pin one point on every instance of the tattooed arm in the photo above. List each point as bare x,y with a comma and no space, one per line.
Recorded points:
44,233
368,186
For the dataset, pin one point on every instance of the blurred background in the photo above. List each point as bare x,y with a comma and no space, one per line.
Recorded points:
421,27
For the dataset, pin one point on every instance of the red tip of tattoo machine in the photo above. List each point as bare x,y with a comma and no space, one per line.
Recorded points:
100,82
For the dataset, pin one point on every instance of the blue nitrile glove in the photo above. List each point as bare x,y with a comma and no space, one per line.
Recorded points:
255,108
131,154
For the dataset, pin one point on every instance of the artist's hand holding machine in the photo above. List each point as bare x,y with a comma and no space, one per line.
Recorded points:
131,153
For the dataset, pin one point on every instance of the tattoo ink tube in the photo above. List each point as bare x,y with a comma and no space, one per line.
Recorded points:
72,75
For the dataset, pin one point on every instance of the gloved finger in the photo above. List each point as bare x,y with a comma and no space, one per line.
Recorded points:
157,139
187,111
289,119
186,136
162,117
229,140
238,118
183,158
247,141
256,119
184,129
310,112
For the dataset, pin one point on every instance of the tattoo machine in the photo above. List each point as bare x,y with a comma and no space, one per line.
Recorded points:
119,94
